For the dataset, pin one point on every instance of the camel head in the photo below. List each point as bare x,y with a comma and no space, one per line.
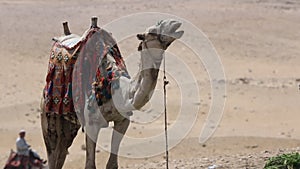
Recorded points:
164,32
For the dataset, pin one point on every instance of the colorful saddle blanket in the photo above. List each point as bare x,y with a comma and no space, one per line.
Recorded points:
16,161
82,57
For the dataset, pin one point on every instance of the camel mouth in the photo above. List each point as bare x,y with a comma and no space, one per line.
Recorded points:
177,35
175,26
174,32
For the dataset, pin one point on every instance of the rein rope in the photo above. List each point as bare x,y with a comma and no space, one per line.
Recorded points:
165,83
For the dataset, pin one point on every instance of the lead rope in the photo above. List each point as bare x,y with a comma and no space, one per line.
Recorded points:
166,82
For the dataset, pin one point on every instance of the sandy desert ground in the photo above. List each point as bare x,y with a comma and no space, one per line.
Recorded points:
259,45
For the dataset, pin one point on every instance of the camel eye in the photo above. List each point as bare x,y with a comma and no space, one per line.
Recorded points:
153,34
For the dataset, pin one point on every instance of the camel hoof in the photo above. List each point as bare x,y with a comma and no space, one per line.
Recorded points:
112,166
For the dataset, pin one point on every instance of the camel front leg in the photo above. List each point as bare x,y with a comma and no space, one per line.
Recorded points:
91,135
59,134
90,153
120,127
50,141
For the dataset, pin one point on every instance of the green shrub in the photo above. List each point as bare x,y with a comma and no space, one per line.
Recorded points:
284,161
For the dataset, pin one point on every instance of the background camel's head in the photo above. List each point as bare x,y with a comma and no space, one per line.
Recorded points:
164,31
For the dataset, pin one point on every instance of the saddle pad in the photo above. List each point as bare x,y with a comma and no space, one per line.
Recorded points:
68,50
58,90
69,41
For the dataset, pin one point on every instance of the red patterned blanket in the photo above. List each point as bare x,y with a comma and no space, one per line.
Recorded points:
81,61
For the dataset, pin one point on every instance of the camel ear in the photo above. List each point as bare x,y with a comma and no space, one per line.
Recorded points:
140,36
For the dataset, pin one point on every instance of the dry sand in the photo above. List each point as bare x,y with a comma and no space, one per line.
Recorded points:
259,45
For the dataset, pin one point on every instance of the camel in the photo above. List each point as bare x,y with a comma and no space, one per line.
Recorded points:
97,105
